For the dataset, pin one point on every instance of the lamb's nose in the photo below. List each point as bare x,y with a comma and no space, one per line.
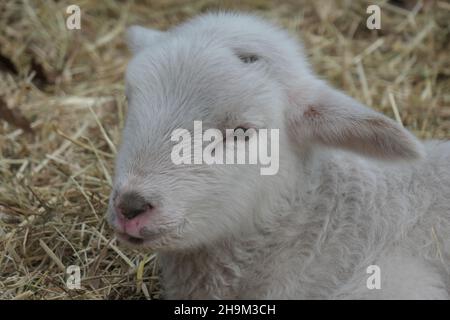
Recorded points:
132,204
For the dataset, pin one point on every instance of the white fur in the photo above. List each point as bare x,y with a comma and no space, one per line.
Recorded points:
354,188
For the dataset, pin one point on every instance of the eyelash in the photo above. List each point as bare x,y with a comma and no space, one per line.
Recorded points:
241,128
248,58
244,129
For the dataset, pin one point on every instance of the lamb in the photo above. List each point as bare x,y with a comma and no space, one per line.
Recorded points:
354,188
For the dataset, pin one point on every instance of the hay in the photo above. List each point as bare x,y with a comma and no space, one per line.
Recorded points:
55,170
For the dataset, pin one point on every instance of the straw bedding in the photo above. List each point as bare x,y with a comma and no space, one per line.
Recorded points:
62,109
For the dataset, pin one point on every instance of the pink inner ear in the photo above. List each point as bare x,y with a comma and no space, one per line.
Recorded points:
311,112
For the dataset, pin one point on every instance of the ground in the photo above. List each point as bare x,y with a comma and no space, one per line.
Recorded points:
62,108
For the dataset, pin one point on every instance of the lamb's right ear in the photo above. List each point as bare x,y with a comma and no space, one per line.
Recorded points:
140,37
326,116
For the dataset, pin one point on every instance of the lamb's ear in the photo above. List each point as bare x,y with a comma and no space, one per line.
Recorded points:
140,37
334,119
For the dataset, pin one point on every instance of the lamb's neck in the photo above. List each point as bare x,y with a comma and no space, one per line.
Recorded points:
212,271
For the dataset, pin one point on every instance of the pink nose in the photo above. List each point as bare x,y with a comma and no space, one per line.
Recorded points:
132,227
132,213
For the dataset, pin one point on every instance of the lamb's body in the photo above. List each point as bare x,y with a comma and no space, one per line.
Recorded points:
311,230
354,213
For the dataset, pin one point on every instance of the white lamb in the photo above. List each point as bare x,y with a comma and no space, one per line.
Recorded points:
354,188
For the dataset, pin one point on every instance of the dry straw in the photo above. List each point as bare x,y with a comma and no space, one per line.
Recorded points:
63,91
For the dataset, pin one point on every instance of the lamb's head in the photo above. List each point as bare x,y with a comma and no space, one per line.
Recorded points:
229,72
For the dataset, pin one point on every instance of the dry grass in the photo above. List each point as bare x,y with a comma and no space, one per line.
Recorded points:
55,177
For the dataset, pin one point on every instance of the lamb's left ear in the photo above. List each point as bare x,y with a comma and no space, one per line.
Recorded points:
331,118
140,37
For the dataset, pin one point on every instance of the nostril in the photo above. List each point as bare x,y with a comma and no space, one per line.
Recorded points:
132,204
130,213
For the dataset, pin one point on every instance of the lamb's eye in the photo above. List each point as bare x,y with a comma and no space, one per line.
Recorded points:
240,128
248,58
237,132
240,131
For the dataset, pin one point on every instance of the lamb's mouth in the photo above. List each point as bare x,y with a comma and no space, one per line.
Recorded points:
161,238
135,241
